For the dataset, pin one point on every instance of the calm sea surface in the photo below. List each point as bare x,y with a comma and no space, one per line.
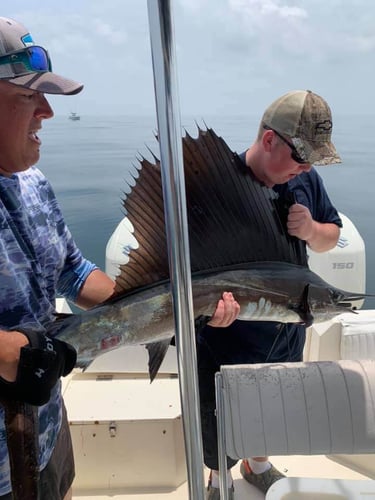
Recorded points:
87,162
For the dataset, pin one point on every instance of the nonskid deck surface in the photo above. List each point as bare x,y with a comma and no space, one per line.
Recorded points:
293,466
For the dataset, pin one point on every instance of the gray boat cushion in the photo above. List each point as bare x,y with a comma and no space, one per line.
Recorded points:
309,408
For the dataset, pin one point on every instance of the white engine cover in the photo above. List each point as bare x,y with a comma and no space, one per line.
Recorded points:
345,265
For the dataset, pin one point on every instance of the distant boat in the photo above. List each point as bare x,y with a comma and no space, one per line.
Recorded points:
74,116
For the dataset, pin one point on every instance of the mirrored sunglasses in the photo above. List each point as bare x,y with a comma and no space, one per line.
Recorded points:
33,59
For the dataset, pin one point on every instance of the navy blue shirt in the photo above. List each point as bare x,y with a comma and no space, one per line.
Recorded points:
260,341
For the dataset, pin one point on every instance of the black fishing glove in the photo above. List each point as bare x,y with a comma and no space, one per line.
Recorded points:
42,362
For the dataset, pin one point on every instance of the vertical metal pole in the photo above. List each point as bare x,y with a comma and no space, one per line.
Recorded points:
169,131
220,416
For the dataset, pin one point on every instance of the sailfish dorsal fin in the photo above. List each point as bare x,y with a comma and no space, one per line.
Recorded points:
232,218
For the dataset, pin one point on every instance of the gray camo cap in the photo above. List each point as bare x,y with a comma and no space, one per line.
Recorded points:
304,118
15,37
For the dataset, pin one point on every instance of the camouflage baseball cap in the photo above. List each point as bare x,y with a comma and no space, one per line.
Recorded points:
24,63
304,118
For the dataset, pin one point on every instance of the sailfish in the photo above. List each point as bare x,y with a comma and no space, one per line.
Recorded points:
238,242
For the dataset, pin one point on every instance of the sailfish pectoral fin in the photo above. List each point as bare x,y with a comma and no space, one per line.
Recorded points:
303,308
156,354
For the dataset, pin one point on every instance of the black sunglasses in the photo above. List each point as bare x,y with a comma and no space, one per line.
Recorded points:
294,153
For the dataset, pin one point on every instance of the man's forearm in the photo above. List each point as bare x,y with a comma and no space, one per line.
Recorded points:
324,237
97,288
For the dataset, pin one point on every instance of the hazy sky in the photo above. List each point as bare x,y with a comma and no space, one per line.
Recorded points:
233,56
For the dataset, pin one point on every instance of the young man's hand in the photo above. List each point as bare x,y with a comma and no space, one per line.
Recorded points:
226,312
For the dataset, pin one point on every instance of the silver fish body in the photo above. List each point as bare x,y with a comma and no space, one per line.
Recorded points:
266,291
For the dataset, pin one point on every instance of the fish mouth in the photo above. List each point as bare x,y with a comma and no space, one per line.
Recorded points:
344,299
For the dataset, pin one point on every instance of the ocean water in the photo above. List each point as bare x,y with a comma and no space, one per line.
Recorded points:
88,162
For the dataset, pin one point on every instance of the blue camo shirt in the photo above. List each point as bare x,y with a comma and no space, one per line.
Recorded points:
38,257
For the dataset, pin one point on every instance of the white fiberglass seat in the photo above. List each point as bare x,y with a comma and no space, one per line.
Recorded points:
310,408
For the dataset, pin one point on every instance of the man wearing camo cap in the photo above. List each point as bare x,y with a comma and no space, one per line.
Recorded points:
38,259
294,134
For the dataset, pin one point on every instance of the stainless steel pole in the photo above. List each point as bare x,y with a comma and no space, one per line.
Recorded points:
169,131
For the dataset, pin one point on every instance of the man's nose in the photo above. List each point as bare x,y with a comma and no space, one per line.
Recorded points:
43,109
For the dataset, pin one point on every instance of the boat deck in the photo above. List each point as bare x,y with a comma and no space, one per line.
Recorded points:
318,466
128,437
127,431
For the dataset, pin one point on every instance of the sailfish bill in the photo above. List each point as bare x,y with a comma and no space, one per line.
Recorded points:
238,243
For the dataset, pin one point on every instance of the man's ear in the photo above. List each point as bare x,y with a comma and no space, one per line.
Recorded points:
268,139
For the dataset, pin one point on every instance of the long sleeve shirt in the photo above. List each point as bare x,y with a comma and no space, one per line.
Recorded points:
38,260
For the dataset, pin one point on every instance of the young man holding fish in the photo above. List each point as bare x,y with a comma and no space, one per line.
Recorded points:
294,134
38,260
